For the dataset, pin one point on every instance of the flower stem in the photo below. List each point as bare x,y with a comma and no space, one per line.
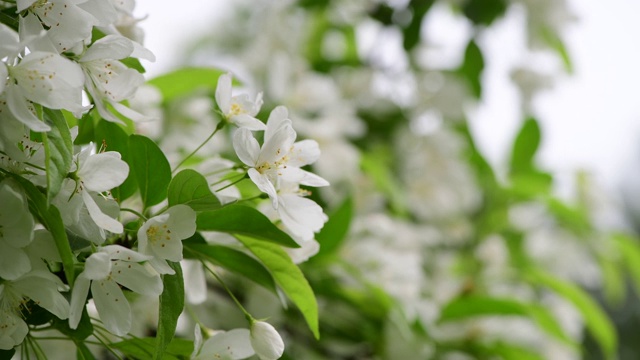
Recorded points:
218,127
246,313
233,183
134,212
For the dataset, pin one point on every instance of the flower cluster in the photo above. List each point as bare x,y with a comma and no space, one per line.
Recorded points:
94,220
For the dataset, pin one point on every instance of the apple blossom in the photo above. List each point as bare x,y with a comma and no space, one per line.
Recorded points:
239,109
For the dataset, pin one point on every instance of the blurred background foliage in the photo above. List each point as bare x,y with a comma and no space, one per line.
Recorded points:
430,251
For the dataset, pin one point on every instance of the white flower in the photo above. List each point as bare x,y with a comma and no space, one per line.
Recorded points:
239,110
279,158
161,236
108,80
105,271
40,286
224,345
69,22
39,77
98,173
16,232
266,341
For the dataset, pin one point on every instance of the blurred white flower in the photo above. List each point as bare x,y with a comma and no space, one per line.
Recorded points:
266,341
161,236
301,216
105,271
239,109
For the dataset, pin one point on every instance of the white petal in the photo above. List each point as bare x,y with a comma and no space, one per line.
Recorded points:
129,113
122,253
275,121
306,250
104,171
142,52
263,183
97,266
195,284
303,153
23,4
22,109
234,344
246,146
300,215
137,277
78,300
32,34
278,145
182,221
13,262
299,176
112,306
223,93
109,47
45,293
266,341
248,122
102,220
3,75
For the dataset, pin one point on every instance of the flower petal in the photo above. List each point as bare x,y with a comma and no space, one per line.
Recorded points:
137,277
101,219
234,344
104,171
112,306
223,93
263,183
303,153
246,146
78,300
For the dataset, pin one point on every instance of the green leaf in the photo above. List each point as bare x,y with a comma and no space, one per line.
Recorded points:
553,40
133,63
288,277
525,146
171,306
335,229
233,260
114,138
384,179
83,352
243,220
411,32
510,351
472,68
594,317
629,249
189,187
58,150
470,306
86,129
143,348
50,217
151,169
186,81
484,12
7,354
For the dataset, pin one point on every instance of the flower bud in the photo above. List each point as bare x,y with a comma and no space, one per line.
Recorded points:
266,341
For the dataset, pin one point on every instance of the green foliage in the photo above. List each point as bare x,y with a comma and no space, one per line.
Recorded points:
58,149
484,12
472,68
335,230
525,147
243,220
144,348
150,168
232,260
288,277
113,137
186,81
594,317
171,305
189,187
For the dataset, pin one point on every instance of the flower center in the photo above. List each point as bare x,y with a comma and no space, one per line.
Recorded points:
236,109
159,235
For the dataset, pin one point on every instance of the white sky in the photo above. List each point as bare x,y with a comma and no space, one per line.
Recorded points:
590,120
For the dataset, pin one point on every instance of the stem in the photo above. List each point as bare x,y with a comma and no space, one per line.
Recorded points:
218,127
233,183
134,212
246,313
